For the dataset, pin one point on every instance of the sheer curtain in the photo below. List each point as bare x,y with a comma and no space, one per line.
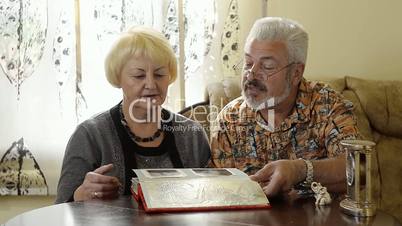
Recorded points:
52,74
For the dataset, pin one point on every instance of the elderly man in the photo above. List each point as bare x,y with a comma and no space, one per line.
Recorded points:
283,130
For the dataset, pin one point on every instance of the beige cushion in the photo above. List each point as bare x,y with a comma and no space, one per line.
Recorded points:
390,159
381,102
362,121
221,93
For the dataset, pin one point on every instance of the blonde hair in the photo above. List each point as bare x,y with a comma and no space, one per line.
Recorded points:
139,42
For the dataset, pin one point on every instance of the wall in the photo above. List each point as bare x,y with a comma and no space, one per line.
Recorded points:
360,38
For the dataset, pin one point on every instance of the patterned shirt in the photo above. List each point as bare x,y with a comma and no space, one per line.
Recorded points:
319,120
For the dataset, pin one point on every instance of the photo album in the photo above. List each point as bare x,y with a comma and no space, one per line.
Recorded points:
170,190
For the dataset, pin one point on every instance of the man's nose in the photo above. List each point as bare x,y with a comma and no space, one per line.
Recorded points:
250,74
253,72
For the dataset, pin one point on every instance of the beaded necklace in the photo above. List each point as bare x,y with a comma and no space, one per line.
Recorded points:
136,138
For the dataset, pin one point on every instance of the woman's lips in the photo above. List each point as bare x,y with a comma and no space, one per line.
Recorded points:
150,96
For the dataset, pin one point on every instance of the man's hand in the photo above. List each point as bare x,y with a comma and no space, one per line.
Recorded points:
98,185
280,176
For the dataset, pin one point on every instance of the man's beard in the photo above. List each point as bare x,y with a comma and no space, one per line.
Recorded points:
267,102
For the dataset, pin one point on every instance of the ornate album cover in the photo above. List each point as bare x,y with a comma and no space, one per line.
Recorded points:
166,190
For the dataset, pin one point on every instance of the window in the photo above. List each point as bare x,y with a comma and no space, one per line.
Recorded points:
51,59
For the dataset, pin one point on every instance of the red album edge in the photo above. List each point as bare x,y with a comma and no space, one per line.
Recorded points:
141,200
135,196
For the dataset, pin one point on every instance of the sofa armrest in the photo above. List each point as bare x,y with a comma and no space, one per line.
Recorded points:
199,112
221,93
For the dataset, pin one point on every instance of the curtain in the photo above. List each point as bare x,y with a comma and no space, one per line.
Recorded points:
52,74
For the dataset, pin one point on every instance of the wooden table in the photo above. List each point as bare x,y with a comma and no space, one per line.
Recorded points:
124,211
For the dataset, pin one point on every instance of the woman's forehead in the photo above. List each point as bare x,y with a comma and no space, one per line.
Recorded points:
144,61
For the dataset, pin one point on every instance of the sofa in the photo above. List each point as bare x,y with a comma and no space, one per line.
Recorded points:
378,107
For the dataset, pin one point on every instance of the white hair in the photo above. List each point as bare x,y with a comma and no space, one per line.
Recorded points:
280,29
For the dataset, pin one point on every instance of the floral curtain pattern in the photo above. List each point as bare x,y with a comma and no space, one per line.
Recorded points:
63,53
23,33
199,25
230,40
20,173
171,26
23,29
52,74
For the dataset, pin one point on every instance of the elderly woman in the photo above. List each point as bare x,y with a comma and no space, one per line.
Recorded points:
137,132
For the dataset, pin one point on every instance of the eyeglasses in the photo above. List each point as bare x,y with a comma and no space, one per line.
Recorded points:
265,71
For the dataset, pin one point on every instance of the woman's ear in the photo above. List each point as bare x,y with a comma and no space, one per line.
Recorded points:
297,74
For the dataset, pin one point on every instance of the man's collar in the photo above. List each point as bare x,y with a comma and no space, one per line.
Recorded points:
301,110
246,112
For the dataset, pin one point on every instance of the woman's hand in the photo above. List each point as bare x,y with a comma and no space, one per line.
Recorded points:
96,185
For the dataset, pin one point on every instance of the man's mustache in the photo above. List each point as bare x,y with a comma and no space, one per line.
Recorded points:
256,83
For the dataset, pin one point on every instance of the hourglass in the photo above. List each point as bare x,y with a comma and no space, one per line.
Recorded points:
359,200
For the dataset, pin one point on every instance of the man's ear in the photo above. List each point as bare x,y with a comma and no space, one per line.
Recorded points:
297,74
